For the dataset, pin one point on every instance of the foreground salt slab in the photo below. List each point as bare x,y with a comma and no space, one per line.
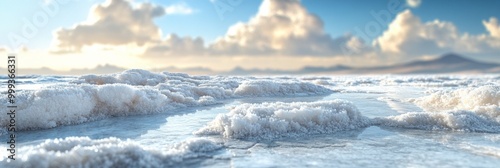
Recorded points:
109,152
468,121
274,120
259,88
473,109
468,98
136,92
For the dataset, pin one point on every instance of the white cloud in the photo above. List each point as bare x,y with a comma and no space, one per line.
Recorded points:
174,45
121,23
407,36
281,27
115,22
181,8
413,3
492,27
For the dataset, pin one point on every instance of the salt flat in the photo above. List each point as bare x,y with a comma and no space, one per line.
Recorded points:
173,119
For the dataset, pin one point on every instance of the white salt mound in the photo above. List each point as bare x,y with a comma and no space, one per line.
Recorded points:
134,92
109,152
452,120
466,109
261,88
273,120
131,77
460,99
73,104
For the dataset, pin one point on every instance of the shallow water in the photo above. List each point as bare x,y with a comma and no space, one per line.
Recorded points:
373,146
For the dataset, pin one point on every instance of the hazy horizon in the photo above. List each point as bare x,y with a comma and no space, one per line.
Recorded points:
438,65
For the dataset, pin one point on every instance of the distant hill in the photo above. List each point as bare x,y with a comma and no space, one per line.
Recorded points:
448,63
108,69
100,69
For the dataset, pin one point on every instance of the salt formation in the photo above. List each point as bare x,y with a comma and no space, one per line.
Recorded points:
109,152
134,92
272,120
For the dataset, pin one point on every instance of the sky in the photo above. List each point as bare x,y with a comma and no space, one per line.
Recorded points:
264,34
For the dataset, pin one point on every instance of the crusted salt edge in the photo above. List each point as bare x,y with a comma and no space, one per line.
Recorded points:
70,104
273,120
242,87
465,109
460,99
85,101
271,88
410,80
468,121
108,152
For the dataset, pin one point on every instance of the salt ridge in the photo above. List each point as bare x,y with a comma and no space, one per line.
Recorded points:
134,92
460,99
109,152
474,109
274,120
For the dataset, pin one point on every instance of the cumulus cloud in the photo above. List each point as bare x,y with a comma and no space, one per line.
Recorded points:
178,46
413,3
492,27
181,8
407,35
115,22
281,27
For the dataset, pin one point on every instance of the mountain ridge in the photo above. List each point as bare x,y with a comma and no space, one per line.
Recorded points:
447,63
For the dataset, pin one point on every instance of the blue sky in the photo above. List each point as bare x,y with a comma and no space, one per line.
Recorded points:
340,18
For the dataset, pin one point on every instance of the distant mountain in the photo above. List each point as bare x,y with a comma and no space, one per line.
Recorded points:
445,59
241,71
306,70
448,63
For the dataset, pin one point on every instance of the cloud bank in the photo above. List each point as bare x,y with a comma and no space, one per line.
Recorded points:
279,28
115,22
413,3
407,35
492,27
181,8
